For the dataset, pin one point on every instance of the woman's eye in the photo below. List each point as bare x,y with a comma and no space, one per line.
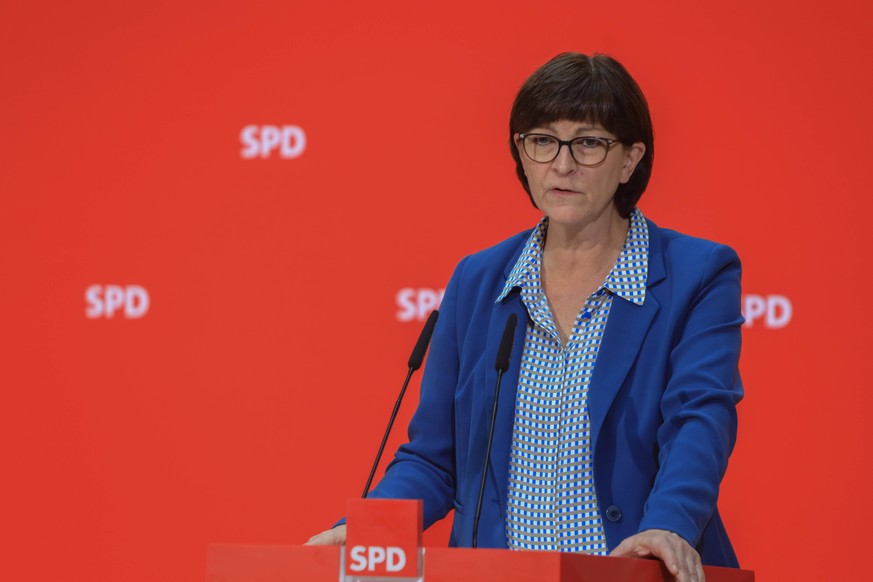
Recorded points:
542,140
590,142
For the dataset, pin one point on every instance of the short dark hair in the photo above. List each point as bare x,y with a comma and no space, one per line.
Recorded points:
596,89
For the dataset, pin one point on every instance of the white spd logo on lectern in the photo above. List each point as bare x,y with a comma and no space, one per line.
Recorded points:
368,558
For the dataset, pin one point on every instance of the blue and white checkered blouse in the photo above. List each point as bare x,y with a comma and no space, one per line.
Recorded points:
552,503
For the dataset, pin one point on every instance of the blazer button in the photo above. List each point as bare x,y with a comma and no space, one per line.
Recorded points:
613,513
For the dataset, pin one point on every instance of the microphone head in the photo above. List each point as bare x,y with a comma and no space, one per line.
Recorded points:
420,348
505,349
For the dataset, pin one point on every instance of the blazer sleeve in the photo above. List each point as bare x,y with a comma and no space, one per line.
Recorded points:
698,405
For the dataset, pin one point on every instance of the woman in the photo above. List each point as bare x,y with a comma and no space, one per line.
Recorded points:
619,409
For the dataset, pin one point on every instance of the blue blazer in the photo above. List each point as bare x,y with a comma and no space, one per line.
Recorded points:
662,399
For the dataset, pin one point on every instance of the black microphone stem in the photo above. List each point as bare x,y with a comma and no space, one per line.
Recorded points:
387,432
487,456
415,361
504,352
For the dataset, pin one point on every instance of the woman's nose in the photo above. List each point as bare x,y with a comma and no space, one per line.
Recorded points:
564,161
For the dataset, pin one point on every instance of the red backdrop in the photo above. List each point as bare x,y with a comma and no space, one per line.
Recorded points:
257,339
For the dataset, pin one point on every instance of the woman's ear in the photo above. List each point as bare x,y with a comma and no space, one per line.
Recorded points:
632,157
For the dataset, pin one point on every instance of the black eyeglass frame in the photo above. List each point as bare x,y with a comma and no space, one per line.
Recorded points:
569,143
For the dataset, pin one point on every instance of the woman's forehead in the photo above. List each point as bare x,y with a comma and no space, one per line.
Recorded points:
571,126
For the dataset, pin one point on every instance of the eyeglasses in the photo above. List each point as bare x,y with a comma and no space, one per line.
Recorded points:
586,150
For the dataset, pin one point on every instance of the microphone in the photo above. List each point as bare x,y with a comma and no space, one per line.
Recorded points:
501,365
415,360
417,355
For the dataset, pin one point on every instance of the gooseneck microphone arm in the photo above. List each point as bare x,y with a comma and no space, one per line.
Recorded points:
415,360
502,365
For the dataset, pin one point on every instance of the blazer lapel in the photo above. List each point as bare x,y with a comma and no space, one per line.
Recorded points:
626,329
499,464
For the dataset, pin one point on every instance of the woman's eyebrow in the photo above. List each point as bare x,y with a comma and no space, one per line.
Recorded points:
585,128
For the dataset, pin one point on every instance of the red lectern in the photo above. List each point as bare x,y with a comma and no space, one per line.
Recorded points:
249,563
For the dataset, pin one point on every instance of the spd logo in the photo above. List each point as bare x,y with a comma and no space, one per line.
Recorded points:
105,300
416,304
383,538
369,559
262,141
773,311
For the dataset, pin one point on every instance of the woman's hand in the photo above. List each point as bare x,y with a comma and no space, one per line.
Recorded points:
681,559
332,537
